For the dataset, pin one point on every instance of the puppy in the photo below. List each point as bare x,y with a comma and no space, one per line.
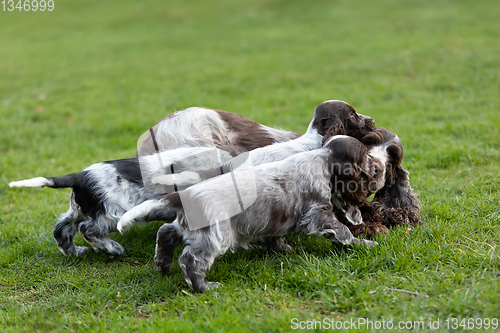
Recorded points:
103,192
268,201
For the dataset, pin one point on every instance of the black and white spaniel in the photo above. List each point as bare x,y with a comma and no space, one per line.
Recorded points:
262,203
103,192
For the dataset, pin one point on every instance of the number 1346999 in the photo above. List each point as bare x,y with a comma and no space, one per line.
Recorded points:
27,5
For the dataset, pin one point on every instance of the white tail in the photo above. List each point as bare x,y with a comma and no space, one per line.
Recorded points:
184,178
33,182
140,211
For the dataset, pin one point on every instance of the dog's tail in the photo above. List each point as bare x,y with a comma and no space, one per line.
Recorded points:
185,178
54,182
165,207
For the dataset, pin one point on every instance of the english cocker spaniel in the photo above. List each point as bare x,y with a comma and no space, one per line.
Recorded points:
261,203
203,127
330,118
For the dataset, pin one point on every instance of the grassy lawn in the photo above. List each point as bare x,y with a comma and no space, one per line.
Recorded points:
78,85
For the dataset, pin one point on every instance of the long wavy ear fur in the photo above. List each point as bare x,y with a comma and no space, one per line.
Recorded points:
333,127
396,202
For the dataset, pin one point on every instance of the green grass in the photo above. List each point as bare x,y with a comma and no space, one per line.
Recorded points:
80,84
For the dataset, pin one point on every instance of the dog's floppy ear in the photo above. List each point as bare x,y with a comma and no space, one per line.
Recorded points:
372,139
395,152
326,112
363,182
397,196
334,127
348,179
325,123
352,183
345,149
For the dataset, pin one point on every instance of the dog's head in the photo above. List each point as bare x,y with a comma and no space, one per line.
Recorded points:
355,174
386,147
355,124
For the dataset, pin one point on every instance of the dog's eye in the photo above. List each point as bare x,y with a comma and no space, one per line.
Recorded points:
376,169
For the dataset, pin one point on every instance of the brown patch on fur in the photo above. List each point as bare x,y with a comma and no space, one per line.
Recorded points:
335,128
347,154
396,202
279,216
174,200
346,150
373,223
368,230
372,139
249,133
399,216
390,216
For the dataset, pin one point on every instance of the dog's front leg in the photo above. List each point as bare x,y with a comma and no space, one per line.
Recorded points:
321,221
96,233
195,261
337,232
168,238
277,244
64,233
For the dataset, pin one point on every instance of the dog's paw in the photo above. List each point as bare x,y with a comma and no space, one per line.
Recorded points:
213,285
73,250
353,215
80,250
366,242
125,222
113,249
284,248
162,267
280,247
